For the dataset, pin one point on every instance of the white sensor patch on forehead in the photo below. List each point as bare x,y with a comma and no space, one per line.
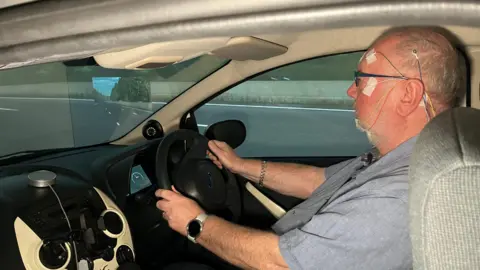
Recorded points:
371,85
363,57
371,56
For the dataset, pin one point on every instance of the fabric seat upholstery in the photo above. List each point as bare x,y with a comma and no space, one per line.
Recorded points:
445,192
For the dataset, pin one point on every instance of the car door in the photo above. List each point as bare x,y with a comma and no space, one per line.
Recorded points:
295,113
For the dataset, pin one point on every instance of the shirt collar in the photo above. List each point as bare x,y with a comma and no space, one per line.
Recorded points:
391,159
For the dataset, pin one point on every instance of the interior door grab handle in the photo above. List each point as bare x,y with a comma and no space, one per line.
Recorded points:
271,206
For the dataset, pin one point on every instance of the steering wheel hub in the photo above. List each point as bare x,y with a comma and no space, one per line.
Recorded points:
203,181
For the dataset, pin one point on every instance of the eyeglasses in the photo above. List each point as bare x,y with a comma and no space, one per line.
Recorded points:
359,74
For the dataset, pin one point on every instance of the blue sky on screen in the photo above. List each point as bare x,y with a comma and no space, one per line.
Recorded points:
104,85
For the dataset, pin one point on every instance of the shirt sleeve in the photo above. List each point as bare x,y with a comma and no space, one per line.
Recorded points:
363,233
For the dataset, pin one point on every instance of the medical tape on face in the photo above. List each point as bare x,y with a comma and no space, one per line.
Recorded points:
371,57
363,57
371,85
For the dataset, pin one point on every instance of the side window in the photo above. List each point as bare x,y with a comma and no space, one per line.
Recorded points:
298,110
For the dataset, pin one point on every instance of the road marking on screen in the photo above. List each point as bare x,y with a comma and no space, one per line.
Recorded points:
8,109
202,125
118,124
40,98
208,104
280,107
272,107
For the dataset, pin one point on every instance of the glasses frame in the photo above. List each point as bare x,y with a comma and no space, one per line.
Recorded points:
359,74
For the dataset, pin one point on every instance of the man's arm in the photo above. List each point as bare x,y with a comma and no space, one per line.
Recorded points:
287,178
295,180
244,247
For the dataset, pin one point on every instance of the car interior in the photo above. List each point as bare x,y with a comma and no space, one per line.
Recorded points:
77,208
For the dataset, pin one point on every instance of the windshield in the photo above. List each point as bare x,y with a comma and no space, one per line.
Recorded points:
61,105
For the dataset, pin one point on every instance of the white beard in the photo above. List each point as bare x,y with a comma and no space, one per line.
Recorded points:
370,136
359,126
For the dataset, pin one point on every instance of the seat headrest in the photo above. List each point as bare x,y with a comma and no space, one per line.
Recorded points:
450,140
445,192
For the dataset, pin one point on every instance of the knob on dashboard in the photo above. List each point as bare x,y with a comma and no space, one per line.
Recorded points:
111,223
54,255
152,130
85,264
124,255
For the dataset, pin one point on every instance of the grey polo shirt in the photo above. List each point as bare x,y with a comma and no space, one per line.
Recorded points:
364,225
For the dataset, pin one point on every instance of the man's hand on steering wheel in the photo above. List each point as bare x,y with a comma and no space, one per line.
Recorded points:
178,210
224,156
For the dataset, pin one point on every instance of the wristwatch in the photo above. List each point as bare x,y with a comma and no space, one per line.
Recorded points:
195,227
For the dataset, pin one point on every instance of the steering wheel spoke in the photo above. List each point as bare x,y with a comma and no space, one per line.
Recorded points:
198,149
234,197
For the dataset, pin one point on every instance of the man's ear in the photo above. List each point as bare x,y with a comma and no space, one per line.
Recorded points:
411,98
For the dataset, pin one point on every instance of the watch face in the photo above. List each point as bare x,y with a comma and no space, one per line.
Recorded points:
194,228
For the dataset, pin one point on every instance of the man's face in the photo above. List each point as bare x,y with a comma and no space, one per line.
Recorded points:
372,94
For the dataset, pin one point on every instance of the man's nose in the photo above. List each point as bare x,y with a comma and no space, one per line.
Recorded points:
352,91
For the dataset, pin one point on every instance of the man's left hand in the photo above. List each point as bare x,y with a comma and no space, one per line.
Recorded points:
177,209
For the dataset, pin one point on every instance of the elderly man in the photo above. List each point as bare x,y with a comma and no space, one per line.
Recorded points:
405,78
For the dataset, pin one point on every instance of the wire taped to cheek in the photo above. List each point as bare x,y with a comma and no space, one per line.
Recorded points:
378,108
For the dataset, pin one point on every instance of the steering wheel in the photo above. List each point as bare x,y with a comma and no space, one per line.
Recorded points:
197,177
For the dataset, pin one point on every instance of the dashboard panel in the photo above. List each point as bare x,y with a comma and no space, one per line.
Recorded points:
91,190
101,232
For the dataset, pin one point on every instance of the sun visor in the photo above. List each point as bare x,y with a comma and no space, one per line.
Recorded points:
249,48
162,54
158,55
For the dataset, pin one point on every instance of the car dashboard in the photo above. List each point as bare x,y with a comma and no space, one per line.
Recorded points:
78,209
